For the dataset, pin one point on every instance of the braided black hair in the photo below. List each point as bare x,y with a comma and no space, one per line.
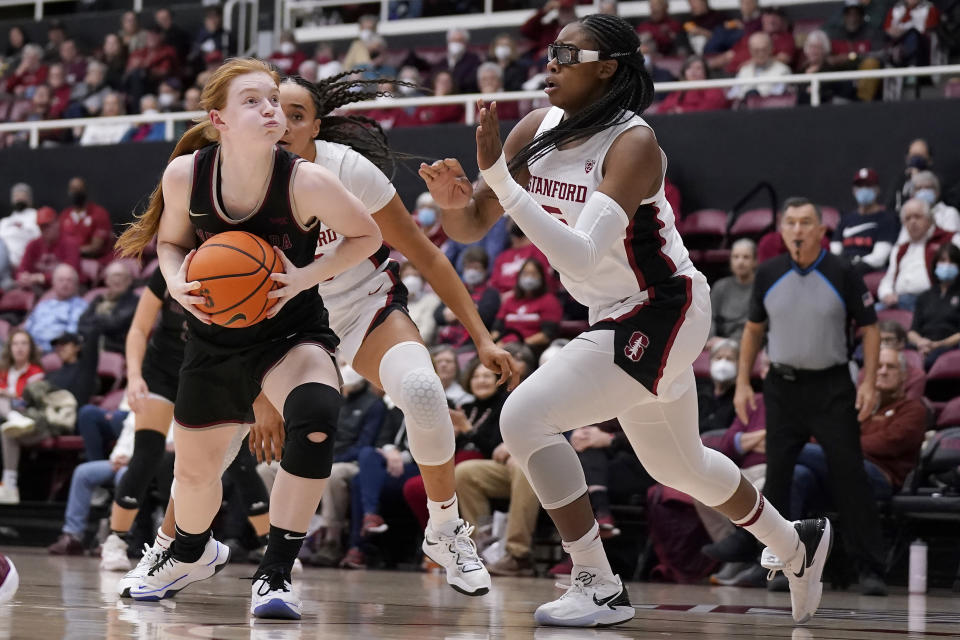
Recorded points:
362,134
630,90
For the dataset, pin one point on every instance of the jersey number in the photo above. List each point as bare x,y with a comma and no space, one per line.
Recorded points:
556,212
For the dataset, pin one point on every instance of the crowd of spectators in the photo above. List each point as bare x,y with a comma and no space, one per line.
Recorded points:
159,66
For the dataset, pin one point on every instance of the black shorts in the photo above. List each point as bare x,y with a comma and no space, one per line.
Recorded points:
217,389
643,339
159,381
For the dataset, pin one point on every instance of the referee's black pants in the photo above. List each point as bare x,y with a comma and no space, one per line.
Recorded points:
820,404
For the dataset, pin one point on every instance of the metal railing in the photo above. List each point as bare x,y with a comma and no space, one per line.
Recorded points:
468,100
249,12
38,5
488,19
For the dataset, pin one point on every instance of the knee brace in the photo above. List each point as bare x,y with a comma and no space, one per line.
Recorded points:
243,472
310,408
148,449
408,377
547,459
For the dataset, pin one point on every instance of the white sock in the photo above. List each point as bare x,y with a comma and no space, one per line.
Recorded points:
588,552
443,512
772,529
163,539
10,478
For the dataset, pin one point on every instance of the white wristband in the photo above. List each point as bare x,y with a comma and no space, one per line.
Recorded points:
498,177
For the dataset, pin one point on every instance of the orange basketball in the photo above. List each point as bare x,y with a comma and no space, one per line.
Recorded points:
234,270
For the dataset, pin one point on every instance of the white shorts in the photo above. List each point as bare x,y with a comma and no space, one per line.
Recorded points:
358,311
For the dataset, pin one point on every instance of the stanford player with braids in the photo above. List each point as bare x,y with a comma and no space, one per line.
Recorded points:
594,204
383,346
226,173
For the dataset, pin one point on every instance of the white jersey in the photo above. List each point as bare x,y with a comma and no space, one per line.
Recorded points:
651,250
363,179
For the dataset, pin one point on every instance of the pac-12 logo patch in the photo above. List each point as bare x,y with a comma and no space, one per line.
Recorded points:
589,165
636,345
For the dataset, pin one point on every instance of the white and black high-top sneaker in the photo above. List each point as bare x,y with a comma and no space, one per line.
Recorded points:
805,570
169,576
272,596
453,549
591,601
150,557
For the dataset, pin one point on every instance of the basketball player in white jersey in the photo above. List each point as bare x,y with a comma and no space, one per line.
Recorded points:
383,346
594,204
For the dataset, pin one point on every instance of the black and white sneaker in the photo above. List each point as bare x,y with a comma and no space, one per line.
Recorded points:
168,576
805,570
591,601
451,547
272,596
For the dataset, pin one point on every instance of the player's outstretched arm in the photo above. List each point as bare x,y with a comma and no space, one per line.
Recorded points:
467,213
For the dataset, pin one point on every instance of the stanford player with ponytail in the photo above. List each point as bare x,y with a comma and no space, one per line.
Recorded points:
237,178
618,252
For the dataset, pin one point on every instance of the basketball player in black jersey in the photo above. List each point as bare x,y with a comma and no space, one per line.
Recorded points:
239,179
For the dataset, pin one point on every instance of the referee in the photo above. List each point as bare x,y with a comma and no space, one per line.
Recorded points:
806,302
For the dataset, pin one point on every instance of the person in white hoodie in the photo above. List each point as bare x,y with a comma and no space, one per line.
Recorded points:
17,229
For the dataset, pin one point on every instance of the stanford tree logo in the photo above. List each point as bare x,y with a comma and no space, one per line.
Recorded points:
636,345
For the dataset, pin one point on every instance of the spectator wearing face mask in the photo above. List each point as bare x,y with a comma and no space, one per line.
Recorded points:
503,51
715,396
326,61
287,57
87,223
936,318
460,62
506,267
169,96
919,158
357,53
486,297
866,235
17,229
925,186
421,301
427,219
530,314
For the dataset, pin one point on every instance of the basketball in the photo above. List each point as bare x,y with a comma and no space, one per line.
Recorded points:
9,580
234,270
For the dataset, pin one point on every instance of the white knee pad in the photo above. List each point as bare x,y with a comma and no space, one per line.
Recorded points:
547,459
408,377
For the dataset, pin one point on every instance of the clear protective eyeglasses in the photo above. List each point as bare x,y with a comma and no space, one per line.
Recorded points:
566,54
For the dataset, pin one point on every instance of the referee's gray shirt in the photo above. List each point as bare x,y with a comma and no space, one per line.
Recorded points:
810,311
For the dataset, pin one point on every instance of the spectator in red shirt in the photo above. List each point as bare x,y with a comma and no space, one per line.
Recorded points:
59,91
74,65
542,33
726,36
665,30
87,223
694,70
438,114
148,66
46,252
531,313
774,23
287,57
908,25
507,266
30,73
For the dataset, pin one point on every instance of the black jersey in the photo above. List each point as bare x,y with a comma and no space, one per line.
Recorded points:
275,222
165,348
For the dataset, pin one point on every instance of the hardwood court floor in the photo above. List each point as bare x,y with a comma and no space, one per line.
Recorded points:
70,598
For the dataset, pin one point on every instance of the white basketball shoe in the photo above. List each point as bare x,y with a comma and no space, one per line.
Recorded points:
805,570
591,601
113,555
150,557
169,576
272,596
451,547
